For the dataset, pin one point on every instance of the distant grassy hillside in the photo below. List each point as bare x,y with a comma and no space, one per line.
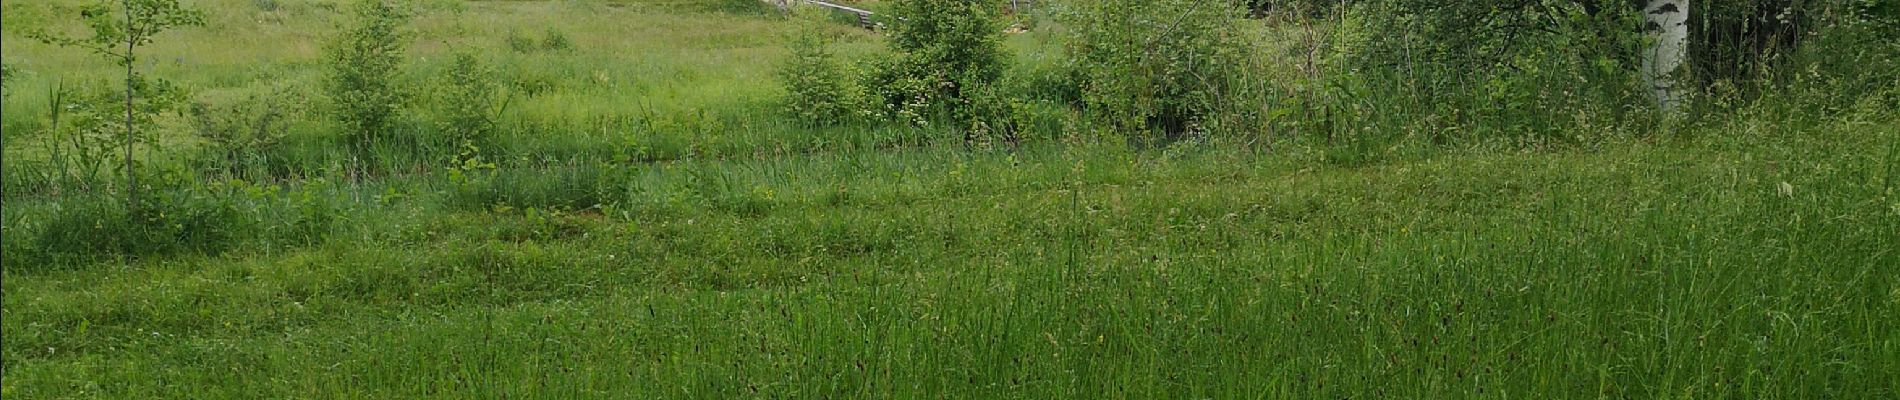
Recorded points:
624,61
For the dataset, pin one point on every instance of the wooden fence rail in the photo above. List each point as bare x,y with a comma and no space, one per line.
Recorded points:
864,16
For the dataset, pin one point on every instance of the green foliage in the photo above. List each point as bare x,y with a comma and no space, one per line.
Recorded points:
1051,257
470,101
818,90
945,51
1744,40
1848,63
241,135
87,129
1525,73
1764,49
740,7
1738,39
169,222
365,96
1293,8
568,187
662,205
6,77
115,36
520,42
553,40
1155,66
1529,70
117,31
178,219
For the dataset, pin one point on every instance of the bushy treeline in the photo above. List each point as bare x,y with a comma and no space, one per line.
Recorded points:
1358,78
361,118
1365,74
254,164
946,67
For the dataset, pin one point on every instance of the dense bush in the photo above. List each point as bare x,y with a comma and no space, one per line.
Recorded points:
553,40
469,102
364,61
1527,72
6,76
1731,42
520,42
85,131
1742,39
241,135
818,91
1851,59
1295,8
116,31
1155,66
1845,47
944,51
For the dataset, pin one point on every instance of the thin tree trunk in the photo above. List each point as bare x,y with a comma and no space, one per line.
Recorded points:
131,177
1666,22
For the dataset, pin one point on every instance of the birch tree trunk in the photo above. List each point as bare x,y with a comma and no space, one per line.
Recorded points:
1666,22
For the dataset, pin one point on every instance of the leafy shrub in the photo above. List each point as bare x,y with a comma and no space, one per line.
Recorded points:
1531,73
14,127
1851,57
117,30
109,21
1568,71
87,128
241,134
6,76
817,89
470,101
520,42
302,214
364,61
1741,39
945,51
553,40
997,114
1151,66
556,41
1295,8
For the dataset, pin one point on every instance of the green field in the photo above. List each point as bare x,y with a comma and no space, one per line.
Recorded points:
654,226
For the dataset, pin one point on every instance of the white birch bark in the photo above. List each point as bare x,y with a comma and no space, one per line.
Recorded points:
1667,24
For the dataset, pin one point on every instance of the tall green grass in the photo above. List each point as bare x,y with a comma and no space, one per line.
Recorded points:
1646,270
646,221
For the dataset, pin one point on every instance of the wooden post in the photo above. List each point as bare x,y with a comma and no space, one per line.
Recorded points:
131,176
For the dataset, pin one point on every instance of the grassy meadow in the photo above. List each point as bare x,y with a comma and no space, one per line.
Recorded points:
650,224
